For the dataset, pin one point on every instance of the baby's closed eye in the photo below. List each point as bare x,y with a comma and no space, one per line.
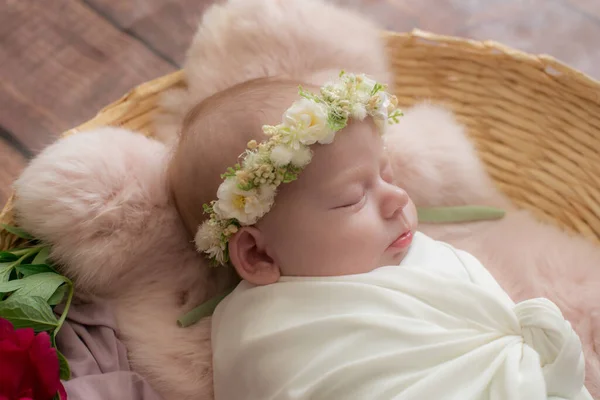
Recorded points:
351,199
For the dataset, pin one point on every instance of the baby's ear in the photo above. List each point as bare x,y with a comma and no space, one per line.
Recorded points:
250,257
100,199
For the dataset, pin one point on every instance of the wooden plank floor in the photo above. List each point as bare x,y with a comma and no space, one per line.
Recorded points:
61,61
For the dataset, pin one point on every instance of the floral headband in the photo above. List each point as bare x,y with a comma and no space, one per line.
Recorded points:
248,189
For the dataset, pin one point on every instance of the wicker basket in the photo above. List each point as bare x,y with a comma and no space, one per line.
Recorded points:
536,122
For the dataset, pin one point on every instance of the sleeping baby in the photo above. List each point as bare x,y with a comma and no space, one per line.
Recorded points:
341,296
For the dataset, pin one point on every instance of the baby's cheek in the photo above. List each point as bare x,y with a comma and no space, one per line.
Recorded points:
411,216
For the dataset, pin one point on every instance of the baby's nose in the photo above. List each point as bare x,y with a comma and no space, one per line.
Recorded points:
394,202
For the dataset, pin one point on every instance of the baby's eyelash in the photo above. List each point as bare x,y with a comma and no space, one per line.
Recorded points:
355,203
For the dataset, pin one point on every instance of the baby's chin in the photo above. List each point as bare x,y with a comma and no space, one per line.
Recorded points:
393,258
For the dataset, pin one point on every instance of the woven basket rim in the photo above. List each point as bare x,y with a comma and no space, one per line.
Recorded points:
496,49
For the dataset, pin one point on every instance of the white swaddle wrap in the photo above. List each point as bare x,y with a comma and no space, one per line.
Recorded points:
436,327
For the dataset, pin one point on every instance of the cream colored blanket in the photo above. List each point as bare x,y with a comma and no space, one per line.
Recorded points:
436,327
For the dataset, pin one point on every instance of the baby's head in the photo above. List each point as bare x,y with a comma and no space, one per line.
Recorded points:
341,214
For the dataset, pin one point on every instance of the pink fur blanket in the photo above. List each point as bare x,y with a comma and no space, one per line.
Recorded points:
101,197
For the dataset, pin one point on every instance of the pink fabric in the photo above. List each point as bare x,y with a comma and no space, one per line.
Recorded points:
98,359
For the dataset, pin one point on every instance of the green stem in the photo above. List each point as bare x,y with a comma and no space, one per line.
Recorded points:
203,310
63,316
458,214
29,251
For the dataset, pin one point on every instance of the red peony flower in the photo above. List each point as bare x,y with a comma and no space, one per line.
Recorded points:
29,366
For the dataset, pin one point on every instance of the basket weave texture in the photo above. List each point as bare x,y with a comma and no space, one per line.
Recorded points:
535,121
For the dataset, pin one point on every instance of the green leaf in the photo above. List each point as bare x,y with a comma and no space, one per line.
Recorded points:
58,295
65,370
5,270
17,232
41,285
29,312
32,269
11,286
6,256
42,256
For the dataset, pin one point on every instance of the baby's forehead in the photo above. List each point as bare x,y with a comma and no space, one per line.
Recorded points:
358,146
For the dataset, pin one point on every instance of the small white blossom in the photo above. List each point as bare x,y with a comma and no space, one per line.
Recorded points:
281,155
380,111
359,111
301,157
217,253
208,235
251,159
367,84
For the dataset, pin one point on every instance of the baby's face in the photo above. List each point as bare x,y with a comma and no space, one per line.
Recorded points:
343,215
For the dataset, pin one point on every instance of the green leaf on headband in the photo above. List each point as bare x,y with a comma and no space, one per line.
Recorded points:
17,231
395,115
309,95
336,121
208,209
229,173
247,187
378,87
29,312
289,176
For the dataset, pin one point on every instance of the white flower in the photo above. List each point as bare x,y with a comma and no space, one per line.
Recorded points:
380,111
366,84
301,157
359,111
251,158
208,235
216,253
307,124
246,206
281,155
